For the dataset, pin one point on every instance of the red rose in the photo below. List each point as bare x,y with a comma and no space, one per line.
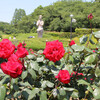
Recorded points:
14,69
54,50
72,43
90,16
21,52
63,76
14,58
20,45
6,48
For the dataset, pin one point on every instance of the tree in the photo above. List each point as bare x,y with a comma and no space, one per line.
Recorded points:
18,14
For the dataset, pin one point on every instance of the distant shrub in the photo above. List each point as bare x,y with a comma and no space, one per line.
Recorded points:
84,30
67,35
52,33
1,34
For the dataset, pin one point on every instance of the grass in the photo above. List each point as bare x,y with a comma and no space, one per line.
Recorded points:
39,43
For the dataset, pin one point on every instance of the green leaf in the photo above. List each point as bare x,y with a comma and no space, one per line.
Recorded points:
83,82
91,41
77,47
90,36
31,56
69,68
97,34
40,59
43,95
69,89
83,39
49,84
55,92
40,51
24,74
17,94
88,50
33,93
43,84
62,92
75,94
97,72
2,92
25,95
34,65
93,58
90,89
32,72
16,87
26,84
6,78
96,93
14,80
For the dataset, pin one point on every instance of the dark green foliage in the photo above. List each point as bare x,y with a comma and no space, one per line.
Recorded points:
18,14
57,16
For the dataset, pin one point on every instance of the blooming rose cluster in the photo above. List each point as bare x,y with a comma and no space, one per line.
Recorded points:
63,76
13,67
54,50
90,16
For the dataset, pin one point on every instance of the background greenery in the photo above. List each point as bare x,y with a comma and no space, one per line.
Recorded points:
56,17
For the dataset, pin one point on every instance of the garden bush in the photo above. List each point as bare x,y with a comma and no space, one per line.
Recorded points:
67,34
55,73
84,31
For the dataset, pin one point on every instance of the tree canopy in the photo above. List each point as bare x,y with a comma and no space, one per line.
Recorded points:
56,16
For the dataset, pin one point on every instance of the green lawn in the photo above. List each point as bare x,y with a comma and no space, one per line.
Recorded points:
39,43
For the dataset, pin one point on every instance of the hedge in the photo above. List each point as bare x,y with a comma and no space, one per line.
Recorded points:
85,30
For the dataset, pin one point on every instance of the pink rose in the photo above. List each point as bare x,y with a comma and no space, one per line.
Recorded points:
72,43
13,69
6,48
63,76
31,50
21,52
94,51
54,50
21,45
90,16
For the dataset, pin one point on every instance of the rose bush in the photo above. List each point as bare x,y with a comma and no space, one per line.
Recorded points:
57,73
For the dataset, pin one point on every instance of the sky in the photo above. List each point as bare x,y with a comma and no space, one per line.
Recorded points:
7,7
